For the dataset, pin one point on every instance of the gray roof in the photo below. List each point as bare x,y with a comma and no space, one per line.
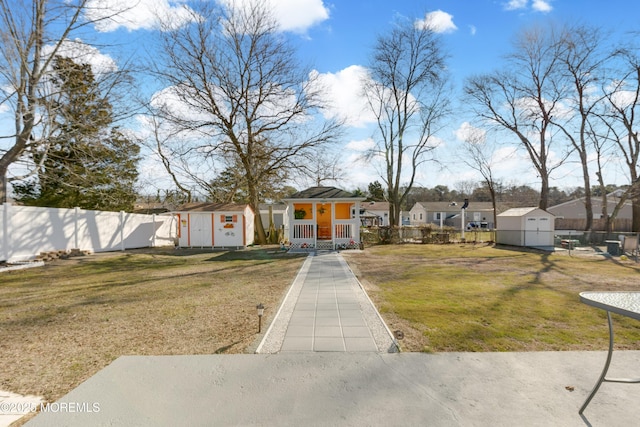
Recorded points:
323,193
456,206
211,207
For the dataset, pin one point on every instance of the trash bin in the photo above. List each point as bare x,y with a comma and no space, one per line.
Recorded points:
613,247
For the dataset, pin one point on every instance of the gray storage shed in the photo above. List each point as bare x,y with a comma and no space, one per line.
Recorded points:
529,227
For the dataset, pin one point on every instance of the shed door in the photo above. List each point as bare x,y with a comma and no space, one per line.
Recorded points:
537,231
200,230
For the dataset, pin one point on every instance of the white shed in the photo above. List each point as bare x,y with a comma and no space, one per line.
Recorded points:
215,225
530,227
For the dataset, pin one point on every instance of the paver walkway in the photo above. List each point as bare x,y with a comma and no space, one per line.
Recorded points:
326,309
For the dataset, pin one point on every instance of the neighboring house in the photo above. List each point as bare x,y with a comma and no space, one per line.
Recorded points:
278,213
529,227
374,214
449,214
215,225
575,209
323,218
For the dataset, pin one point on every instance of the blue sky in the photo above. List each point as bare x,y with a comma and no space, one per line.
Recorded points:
335,38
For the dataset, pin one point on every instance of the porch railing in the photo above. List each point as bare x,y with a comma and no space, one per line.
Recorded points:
343,231
303,231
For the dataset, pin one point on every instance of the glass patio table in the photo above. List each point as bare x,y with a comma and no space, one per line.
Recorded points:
623,303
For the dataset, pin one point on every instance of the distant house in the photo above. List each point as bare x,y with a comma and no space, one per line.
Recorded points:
449,214
374,214
573,214
215,225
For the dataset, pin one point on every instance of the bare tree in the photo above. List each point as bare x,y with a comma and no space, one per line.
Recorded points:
623,96
32,34
581,61
479,156
236,87
406,90
524,99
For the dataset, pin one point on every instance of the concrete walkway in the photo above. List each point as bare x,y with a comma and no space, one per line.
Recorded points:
327,309
320,367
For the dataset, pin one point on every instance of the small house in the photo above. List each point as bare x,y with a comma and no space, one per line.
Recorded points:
449,214
215,225
529,227
571,215
374,214
323,218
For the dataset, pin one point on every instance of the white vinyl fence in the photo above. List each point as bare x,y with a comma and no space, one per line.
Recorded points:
27,231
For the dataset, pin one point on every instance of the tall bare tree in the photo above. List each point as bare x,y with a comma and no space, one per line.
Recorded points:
32,34
478,154
24,31
524,98
236,87
582,60
623,96
406,90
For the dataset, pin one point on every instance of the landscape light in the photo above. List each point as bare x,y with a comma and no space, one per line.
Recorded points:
260,309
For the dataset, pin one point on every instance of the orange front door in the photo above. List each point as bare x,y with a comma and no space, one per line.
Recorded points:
323,212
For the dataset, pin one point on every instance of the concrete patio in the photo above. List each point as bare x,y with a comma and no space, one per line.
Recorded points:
327,359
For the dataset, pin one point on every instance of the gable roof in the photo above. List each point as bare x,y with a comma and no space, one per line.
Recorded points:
522,211
375,206
211,207
453,206
323,193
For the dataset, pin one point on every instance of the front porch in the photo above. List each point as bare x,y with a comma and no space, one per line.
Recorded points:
342,235
323,218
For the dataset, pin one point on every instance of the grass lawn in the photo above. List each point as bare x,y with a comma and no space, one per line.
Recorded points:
61,323
482,298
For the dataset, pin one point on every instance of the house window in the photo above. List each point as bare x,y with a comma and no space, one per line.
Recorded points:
437,215
228,218
414,217
420,216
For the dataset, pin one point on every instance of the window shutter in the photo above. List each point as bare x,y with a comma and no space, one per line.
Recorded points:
221,218
235,218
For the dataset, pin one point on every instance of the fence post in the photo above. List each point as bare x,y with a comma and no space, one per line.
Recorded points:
122,231
155,230
76,227
6,236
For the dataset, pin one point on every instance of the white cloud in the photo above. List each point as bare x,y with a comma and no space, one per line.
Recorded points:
516,4
343,95
82,53
361,145
536,5
437,21
472,30
467,132
541,6
292,15
111,15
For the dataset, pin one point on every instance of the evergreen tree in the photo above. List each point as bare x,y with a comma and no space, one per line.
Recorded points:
89,163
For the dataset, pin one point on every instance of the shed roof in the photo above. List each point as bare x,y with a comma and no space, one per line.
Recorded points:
211,207
522,211
323,193
375,206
